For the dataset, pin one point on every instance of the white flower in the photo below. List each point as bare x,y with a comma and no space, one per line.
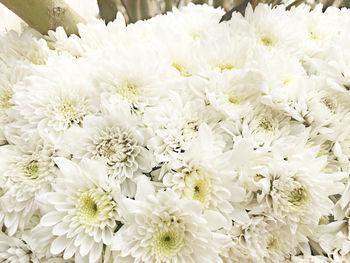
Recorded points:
272,28
84,210
176,126
26,171
47,100
235,92
163,228
118,138
296,192
131,79
264,240
204,175
14,250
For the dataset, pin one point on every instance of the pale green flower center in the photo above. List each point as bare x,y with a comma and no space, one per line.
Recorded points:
190,130
69,112
272,243
313,35
31,169
224,66
235,99
266,123
184,72
198,187
330,104
167,242
297,196
94,207
267,40
130,90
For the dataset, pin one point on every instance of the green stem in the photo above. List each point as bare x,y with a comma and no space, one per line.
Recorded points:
131,7
200,1
168,5
223,3
108,10
45,15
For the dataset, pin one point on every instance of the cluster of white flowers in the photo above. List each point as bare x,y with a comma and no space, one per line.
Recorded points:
178,139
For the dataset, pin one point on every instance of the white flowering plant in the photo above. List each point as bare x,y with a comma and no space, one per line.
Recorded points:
178,139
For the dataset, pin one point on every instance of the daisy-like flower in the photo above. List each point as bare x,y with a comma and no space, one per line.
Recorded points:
131,78
234,93
14,250
48,101
26,171
204,175
264,126
298,196
163,228
84,211
272,29
118,138
175,130
263,240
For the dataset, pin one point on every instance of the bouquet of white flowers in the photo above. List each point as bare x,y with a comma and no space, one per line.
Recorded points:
178,139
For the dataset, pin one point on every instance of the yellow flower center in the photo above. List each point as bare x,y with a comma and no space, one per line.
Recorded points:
94,206
181,69
130,90
198,187
267,40
167,241
224,66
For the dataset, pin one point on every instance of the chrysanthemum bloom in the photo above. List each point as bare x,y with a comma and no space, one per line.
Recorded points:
45,101
84,210
26,170
204,175
118,138
163,228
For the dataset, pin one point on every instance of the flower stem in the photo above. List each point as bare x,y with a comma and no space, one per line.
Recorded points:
45,15
108,9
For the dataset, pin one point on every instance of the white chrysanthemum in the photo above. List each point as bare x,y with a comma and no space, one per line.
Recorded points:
93,36
176,124
163,228
26,170
48,101
84,210
326,109
263,125
203,175
272,28
27,46
235,92
263,240
14,250
117,138
132,78
295,191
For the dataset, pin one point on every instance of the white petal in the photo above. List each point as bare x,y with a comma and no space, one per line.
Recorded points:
51,218
60,229
86,246
215,220
70,250
95,253
107,236
58,245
